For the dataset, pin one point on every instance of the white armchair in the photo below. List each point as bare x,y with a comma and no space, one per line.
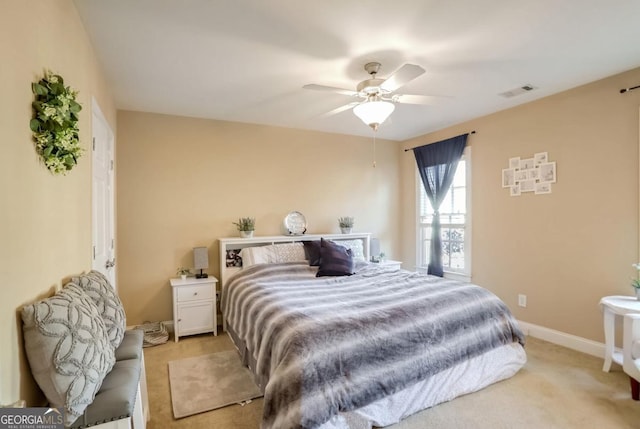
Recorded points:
631,352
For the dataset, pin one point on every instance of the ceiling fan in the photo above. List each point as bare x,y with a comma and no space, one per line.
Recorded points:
378,95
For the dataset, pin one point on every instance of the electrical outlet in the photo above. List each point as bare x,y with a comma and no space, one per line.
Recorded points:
522,300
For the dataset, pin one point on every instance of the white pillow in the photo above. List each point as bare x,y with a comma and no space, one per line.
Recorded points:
357,249
272,254
252,255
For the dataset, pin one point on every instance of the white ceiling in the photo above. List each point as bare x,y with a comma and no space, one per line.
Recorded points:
247,60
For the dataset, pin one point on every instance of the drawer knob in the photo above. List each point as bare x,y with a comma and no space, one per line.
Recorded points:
195,293
179,320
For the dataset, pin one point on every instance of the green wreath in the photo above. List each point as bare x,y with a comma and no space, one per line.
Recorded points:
55,123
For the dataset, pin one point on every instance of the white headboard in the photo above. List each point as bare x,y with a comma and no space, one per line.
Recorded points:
233,243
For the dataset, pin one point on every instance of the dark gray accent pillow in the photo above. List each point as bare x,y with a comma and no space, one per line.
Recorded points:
312,252
335,260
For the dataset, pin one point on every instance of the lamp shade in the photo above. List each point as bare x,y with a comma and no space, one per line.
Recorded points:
373,113
200,258
374,248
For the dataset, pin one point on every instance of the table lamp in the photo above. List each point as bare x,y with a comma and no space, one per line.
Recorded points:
201,261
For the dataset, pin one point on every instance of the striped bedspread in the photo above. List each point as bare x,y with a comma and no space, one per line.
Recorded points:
331,344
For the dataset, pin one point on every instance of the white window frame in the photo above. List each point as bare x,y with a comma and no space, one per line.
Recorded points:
464,275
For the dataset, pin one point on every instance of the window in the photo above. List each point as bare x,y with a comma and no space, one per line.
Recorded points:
454,221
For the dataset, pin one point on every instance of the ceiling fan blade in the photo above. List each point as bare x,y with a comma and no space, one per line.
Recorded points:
340,109
428,100
330,89
403,75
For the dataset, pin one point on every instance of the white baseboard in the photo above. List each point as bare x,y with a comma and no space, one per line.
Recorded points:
169,325
573,342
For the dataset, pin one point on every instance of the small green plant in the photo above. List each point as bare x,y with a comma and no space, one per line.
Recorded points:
182,271
636,282
378,258
246,224
345,222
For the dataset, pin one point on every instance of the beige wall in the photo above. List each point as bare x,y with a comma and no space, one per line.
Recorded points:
45,220
567,249
182,182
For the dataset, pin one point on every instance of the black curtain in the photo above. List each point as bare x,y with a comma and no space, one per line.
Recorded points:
437,163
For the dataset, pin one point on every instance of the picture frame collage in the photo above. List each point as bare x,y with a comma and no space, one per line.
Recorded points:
535,174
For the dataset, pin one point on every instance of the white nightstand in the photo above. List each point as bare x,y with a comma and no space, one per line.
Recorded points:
390,263
194,306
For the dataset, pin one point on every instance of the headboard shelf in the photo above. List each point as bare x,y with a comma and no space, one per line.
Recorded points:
235,243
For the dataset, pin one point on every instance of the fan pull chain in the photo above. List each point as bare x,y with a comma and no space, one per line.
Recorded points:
374,149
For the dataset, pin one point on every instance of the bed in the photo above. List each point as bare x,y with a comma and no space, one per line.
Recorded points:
367,349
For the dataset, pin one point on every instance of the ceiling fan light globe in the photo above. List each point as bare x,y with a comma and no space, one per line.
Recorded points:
374,112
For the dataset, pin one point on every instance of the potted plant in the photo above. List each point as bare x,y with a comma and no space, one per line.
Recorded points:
379,258
636,282
346,224
183,272
246,226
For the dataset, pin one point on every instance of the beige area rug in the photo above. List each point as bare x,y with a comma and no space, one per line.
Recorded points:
204,383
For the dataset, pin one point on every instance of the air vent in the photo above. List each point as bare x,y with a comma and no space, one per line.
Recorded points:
517,91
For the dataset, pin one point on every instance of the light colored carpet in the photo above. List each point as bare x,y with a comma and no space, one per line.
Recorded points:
205,383
558,388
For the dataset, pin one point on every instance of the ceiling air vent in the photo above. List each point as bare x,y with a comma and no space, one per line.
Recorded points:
517,91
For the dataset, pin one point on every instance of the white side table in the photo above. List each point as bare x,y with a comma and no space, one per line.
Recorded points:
194,306
612,306
390,263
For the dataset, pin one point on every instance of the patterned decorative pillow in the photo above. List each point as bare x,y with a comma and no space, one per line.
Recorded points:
272,254
287,252
98,288
67,348
356,248
335,260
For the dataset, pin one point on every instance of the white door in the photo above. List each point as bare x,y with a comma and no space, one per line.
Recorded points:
102,195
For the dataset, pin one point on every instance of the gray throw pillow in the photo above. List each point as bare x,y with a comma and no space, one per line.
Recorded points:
97,286
67,348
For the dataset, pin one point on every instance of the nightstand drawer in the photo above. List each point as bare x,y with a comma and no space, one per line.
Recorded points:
194,293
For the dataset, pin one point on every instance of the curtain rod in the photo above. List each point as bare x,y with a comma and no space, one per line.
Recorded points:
412,148
623,90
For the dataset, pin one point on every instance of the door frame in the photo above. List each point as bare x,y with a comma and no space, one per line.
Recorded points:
97,115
